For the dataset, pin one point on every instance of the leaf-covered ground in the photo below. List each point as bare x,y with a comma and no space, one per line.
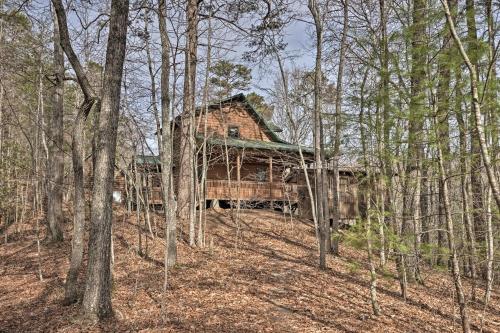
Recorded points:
267,281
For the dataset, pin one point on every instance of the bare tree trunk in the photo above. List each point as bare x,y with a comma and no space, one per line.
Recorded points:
455,267
138,203
56,161
186,165
368,226
476,108
77,153
475,145
492,103
373,272
78,156
311,197
204,166
490,249
97,297
295,136
413,182
443,106
320,176
166,145
2,90
338,129
465,189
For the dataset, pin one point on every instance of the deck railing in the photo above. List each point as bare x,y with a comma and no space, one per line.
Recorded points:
261,191
244,190
251,190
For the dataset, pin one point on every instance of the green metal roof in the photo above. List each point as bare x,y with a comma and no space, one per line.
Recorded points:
147,159
274,127
253,144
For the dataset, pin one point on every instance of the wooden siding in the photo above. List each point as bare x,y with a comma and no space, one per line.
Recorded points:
249,172
260,177
252,191
219,120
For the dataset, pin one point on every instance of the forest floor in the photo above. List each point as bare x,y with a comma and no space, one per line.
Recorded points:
268,281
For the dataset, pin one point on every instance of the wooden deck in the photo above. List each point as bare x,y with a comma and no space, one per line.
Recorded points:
244,190
253,191
267,191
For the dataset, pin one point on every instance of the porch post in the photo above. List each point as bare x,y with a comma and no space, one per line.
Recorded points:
271,181
238,177
238,174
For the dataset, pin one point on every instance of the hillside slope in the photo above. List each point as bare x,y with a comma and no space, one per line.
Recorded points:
268,281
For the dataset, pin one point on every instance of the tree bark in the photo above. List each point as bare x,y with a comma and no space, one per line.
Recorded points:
338,128
97,297
475,145
492,104
476,108
464,184
368,194
166,142
384,144
204,166
321,190
455,268
56,156
77,154
186,166
443,105
413,181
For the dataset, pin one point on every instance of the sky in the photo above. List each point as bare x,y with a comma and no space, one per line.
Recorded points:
299,45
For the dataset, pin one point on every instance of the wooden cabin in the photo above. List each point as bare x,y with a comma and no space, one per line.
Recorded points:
249,163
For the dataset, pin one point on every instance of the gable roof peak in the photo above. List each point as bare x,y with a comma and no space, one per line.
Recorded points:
268,127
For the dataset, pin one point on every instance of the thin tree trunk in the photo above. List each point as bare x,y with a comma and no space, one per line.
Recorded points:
373,272
38,249
77,151
368,226
476,108
413,182
338,128
138,201
56,161
465,189
186,180
204,167
166,146
78,156
443,106
492,103
295,140
490,249
475,145
455,267
321,191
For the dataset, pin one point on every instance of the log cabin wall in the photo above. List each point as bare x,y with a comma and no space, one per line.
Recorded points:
349,196
255,185
269,173
252,171
235,114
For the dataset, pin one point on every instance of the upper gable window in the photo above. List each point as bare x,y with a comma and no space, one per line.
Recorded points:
233,132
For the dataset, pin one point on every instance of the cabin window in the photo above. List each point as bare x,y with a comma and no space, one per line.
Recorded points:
156,180
117,196
261,174
233,132
344,184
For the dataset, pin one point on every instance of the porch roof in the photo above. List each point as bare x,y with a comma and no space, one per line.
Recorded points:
259,145
147,159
